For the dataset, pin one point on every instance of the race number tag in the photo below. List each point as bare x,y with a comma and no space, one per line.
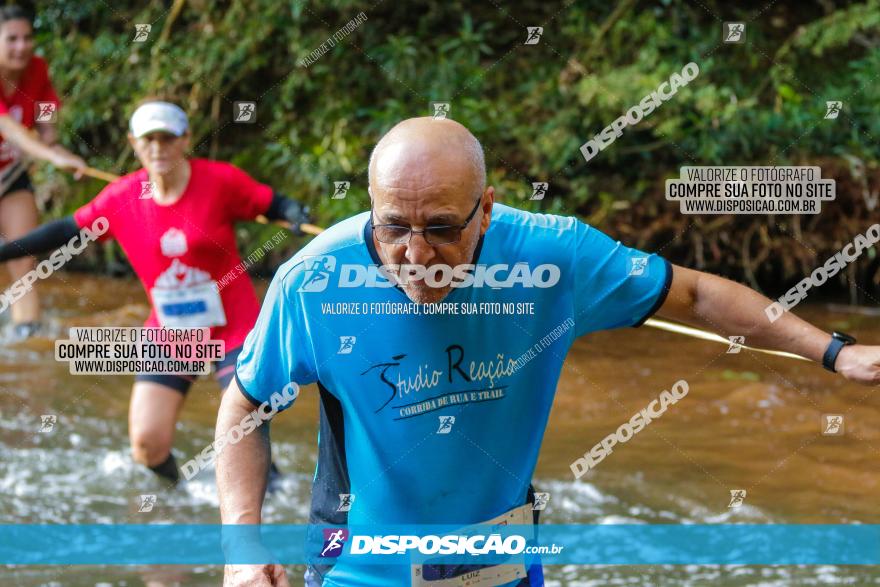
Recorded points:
194,306
432,575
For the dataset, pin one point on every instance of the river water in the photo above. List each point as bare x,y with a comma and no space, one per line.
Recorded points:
749,422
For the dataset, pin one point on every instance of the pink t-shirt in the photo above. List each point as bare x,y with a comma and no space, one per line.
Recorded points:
34,86
182,251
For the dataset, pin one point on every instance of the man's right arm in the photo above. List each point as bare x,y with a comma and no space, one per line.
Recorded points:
242,468
242,471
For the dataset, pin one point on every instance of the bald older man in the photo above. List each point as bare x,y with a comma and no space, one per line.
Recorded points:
434,414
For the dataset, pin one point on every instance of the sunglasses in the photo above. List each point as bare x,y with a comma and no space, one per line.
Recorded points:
441,234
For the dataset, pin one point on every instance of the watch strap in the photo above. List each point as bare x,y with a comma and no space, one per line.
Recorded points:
830,356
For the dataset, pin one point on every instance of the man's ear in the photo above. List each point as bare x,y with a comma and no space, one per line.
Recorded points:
488,201
131,140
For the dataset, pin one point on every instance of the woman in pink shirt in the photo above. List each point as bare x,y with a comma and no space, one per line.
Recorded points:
175,219
27,100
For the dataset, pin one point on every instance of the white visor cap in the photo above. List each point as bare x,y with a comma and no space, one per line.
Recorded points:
158,117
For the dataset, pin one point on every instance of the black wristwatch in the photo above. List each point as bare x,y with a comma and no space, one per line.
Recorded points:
838,341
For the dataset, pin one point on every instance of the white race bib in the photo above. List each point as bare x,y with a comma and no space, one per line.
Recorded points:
489,576
193,306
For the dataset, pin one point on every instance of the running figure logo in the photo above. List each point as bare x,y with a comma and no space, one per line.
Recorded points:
446,423
346,345
734,32
832,109
47,422
384,368
141,32
345,502
148,188
533,34
441,110
832,424
737,496
317,272
45,112
638,265
541,500
245,112
539,190
341,189
147,503
736,344
334,540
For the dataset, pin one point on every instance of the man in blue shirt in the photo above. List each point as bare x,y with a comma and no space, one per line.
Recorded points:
434,414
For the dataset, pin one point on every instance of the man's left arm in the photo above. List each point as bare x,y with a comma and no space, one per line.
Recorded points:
730,309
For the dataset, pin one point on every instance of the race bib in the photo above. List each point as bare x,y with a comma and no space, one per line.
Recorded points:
428,575
193,306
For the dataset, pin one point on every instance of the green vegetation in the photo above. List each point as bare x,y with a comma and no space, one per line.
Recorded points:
532,106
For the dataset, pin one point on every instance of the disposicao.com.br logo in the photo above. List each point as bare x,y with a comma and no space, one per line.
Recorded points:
449,544
321,269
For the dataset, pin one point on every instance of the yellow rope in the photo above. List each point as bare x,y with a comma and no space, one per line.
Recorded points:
703,335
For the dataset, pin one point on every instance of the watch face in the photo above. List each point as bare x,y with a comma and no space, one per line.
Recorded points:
846,338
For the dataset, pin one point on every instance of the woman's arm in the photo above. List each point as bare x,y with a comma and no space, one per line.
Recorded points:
48,134
42,239
16,133
284,208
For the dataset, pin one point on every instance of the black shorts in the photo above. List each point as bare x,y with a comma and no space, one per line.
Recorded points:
223,372
22,183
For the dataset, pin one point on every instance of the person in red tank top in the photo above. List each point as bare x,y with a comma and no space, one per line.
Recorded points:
175,219
27,101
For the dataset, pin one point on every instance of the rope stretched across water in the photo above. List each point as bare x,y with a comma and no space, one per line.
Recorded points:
652,322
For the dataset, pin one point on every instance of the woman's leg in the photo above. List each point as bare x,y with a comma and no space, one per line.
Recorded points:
19,216
152,416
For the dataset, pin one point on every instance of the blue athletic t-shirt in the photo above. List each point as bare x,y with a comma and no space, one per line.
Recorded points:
390,382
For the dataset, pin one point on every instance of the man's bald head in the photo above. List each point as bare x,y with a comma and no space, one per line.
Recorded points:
428,174
405,151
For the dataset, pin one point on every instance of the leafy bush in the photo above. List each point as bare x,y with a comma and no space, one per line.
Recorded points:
532,106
